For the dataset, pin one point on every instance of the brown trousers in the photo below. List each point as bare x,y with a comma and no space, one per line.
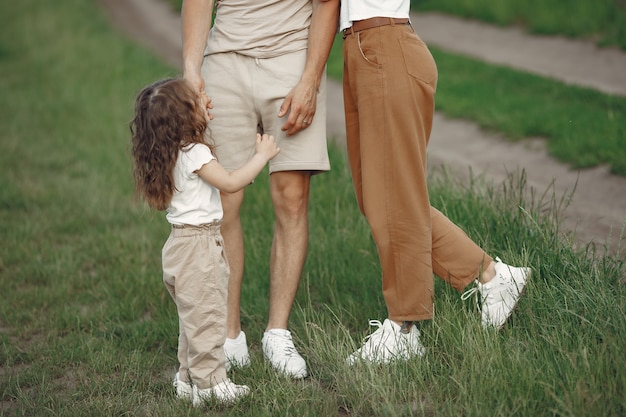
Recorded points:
195,273
389,85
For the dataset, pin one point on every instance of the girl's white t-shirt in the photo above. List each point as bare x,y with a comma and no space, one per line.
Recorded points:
195,201
353,10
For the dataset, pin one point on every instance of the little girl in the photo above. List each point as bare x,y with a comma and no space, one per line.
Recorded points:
175,170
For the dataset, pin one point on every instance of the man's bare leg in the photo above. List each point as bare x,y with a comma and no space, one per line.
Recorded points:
290,196
233,239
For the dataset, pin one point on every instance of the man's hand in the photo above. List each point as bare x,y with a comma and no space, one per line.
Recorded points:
196,81
300,104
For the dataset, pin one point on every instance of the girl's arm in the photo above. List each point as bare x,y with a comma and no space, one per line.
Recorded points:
231,182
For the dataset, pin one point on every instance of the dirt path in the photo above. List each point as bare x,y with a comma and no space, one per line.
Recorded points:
571,61
598,208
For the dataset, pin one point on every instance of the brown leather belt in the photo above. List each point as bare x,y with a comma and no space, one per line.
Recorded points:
373,22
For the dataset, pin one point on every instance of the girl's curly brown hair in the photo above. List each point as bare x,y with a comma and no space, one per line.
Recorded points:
168,117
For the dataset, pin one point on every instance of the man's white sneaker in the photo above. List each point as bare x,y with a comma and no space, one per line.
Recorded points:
224,392
388,343
184,391
278,348
500,295
236,351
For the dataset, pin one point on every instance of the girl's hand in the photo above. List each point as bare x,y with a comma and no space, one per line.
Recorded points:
266,146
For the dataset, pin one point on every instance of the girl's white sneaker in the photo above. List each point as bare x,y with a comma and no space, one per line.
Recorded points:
224,392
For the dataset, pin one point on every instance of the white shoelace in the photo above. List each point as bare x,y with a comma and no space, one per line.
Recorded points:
471,292
374,336
285,343
376,323
474,291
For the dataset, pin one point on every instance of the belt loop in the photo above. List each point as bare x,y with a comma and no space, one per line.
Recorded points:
348,31
391,21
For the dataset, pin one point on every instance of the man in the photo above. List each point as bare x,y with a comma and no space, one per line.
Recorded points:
389,85
263,65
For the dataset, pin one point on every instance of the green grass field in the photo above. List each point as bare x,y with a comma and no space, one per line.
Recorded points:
603,21
88,329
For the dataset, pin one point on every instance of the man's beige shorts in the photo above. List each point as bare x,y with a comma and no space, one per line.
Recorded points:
246,94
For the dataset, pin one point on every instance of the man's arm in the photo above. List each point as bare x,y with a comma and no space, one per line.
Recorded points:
301,102
196,18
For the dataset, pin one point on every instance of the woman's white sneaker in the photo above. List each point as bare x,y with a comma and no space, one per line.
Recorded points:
500,295
388,343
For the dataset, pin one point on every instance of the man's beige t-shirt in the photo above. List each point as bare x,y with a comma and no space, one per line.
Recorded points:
260,28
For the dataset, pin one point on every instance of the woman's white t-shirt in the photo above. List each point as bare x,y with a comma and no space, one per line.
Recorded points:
353,10
195,201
